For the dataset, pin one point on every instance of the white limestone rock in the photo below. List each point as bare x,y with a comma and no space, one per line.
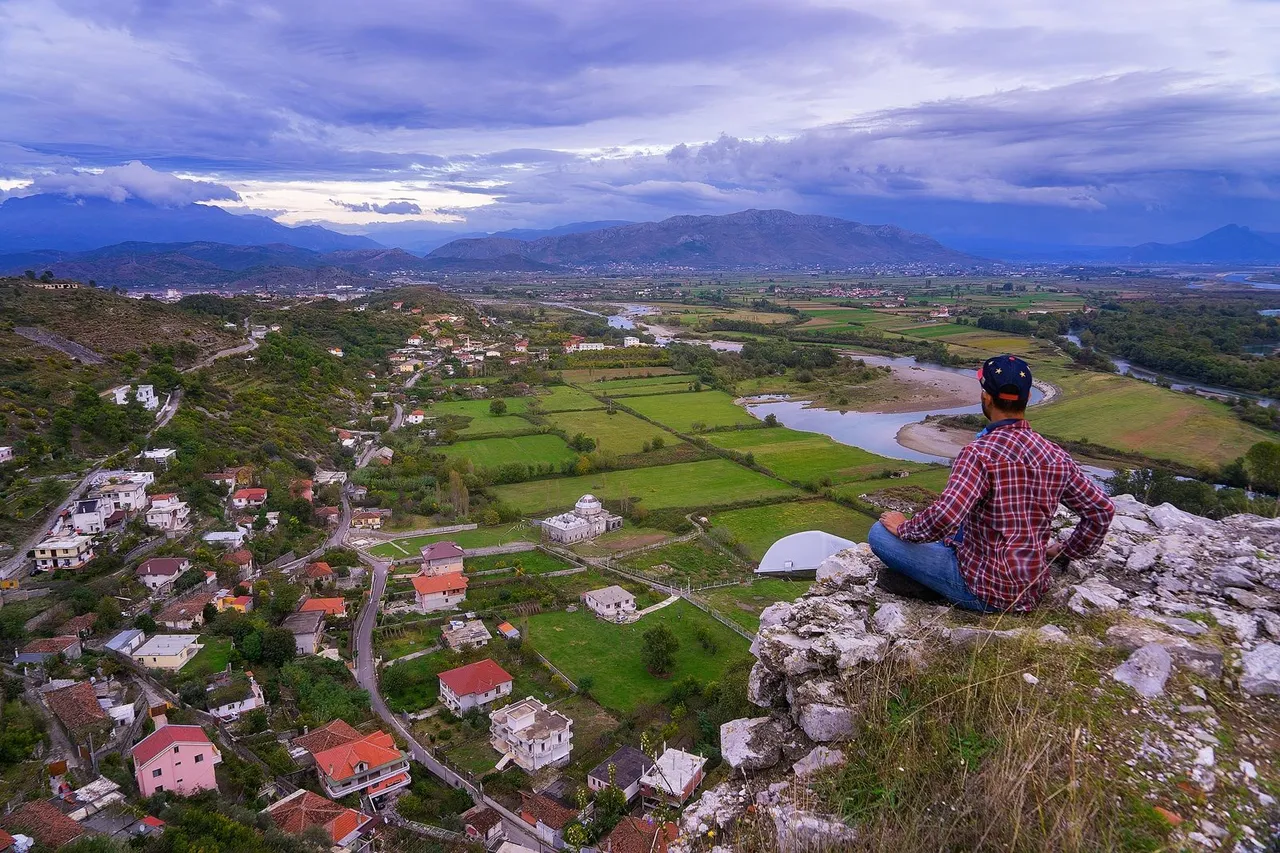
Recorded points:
751,744
1261,671
891,619
1197,658
806,832
824,723
1146,670
820,758
717,808
856,565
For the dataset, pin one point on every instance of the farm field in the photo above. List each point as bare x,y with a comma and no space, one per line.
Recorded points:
807,457
563,398
694,562
481,537
1128,414
934,330
744,603
581,645
482,422
412,685
529,449
714,482
619,433
681,411
582,375
756,528
526,562
933,478
640,385
629,536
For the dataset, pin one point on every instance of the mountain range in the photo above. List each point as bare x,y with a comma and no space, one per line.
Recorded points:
751,238
1230,244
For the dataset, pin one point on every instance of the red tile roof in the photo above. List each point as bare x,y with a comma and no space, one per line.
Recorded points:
452,582
328,606
441,551
239,558
76,625
250,495
535,808
302,810
372,750
163,738
42,821
76,706
635,835
49,645
329,735
318,570
475,678
389,782
481,819
162,566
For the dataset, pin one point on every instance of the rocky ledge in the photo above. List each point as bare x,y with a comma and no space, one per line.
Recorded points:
1174,603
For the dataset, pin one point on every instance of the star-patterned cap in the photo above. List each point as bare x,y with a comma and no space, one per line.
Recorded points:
1006,377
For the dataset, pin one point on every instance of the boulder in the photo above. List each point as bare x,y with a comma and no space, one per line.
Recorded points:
1146,670
715,809
819,758
765,688
806,832
823,723
1168,517
890,619
1197,658
751,744
848,649
852,566
775,614
1261,671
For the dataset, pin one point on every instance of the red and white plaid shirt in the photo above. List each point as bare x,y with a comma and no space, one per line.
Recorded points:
1004,488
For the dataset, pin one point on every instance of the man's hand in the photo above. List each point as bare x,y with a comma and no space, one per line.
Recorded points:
892,521
1052,550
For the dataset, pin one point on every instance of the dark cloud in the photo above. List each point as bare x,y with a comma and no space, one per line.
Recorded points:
391,208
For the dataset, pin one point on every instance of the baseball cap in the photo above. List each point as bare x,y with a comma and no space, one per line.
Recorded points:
1006,377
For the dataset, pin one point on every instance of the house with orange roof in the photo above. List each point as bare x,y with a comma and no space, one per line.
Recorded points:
245,498
318,572
417,416
303,810
372,764
638,835
441,592
331,734
547,817
240,603
473,685
336,607
302,489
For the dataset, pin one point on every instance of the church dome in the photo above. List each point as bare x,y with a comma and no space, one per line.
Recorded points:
587,505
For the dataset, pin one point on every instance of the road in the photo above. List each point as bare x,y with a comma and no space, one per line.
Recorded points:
223,353
398,419
166,414
15,564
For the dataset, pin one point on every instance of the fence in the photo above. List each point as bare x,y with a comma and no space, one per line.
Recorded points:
728,623
424,828
552,667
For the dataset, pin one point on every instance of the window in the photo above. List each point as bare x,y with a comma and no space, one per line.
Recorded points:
199,758
175,750
156,773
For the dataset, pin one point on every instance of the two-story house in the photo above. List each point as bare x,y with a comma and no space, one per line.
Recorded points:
175,758
612,602
532,735
672,779
371,764
127,497
63,552
439,592
441,558
302,810
307,627
168,513
473,685
160,573
249,498
623,770
89,516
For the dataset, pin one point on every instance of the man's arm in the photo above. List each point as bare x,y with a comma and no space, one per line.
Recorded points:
965,487
1086,499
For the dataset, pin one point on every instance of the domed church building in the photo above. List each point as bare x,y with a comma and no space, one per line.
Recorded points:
588,520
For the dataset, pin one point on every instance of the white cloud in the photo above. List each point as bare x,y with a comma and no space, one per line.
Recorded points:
134,180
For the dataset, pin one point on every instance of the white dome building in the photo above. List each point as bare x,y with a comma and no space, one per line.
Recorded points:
588,520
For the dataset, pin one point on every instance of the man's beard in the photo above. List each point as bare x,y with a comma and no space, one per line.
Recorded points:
986,411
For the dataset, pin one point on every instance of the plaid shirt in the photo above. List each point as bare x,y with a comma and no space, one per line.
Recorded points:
1004,489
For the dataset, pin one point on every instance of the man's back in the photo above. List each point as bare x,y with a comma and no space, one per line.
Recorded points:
1003,492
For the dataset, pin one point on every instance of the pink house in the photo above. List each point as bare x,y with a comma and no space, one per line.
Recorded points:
175,758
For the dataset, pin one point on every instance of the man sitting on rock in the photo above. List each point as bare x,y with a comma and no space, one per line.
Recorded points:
985,543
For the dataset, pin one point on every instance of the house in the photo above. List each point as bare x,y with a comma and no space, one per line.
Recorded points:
238,696
168,513
335,351
359,493
672,779
238,603
42,650
160,455
473,685
78,626
175,758
307,627
77,710
483,826
441,558
372,764
441,592
243,561
588,520
532,735
318,571
330,515
630,341
246,498
89,516
227,538
127,641
612,602
521,345
160,573
302,490
302,810
623,770
6,454
225,479
331,734
145,394
42,821
547,817
124,497
511,632
639,835
366,519
417,416
324,478
63,552
335,607
383,455
185,613
459,635
167,651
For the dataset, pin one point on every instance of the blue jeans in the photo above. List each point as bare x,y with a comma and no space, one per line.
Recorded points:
932,564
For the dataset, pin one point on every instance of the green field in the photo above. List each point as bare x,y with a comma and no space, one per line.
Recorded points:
583,375
640,385
481,537
580,645
715,482
212,658
681,411
493,452
743,603
756,528
619,433
933,478
563,398
807,457
935,330
694,562
482,422
524,562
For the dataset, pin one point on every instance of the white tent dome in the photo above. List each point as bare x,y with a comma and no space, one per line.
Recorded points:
801,552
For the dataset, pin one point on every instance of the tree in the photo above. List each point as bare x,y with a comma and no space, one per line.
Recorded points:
278,647
658,442
209,613
1262,463
498,407
145,623
771,420
658,650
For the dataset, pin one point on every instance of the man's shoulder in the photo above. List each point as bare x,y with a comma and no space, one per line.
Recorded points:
1012,439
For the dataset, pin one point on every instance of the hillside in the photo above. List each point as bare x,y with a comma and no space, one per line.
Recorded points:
751,238
1229,244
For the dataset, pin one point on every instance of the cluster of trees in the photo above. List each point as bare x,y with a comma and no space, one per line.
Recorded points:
1010,323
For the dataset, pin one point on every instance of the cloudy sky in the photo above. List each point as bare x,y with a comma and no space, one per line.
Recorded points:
1039,121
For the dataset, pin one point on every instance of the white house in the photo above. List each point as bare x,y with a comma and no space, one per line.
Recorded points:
249,498
161,455
127,641
588,520
612,602
168,651
168,513
417,416
630,341
623,770
227,702
459,635
146,395
6,454
473,685
159,573
531,735
442,558
63,552
126,497
89,516
672,779
439,592
227,538
307,627
590,346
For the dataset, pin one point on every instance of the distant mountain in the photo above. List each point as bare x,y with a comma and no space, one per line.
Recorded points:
67,224
1228,245
531,234
424,237
751,238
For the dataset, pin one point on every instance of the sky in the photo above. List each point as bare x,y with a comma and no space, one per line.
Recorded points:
1039,122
